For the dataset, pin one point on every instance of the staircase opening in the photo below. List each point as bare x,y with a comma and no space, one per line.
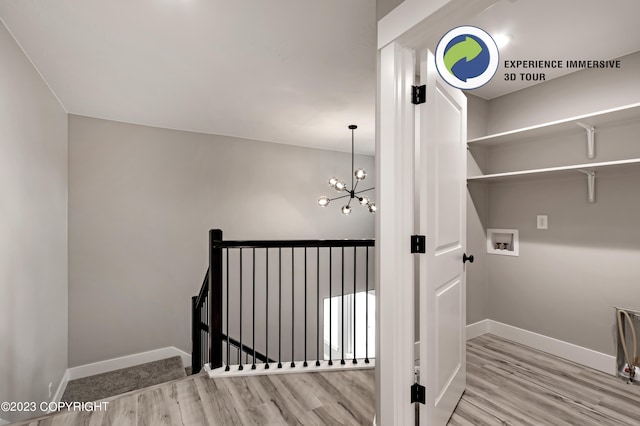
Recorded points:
268,305
349,324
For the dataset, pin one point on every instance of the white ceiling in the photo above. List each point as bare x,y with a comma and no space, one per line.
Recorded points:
287,71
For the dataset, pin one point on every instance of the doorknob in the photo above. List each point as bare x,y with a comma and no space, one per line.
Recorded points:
466,258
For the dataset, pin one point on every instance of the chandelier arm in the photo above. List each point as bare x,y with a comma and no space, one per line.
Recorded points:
365,190
355,186
337,198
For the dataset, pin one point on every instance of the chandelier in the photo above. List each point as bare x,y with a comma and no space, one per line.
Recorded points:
352,193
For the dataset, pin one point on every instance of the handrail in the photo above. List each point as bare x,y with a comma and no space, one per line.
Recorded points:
363,242
204,289
246,349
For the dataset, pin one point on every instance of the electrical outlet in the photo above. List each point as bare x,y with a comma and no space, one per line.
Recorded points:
50,388
543,221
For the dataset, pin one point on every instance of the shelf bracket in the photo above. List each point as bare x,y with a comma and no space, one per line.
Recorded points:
591,145
591,184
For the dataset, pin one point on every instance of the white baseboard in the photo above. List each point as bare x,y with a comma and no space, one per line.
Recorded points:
473,330
478,328
61,387
286,368
126,361
578,354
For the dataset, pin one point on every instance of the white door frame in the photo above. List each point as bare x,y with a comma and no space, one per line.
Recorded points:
395,180
410,26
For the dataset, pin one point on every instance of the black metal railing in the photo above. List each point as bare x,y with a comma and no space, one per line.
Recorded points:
237,353
262,293
241,354
200,327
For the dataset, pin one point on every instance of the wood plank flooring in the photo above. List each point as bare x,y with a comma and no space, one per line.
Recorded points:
507,384
328,398
512,384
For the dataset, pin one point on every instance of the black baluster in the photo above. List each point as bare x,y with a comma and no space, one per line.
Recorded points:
266,349
293,364
205,334
305,308
196,336
203,338
279,307
201,313
354,305
202,349
253,302
366,343
330,304
318,307
227,368
240,356
342,313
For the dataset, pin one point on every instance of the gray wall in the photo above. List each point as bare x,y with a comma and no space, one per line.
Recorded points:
33,225
567,278
477,216
141,201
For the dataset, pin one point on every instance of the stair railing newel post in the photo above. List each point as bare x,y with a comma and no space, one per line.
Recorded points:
196,362
215,297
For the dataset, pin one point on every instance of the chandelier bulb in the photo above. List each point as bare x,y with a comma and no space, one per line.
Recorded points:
346,210
333,181
360,174
372,207
323,201
340,186
364,201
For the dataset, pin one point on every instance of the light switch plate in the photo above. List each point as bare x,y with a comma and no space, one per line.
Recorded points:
543,221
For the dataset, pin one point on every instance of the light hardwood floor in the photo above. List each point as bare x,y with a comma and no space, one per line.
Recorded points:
330,398
507,384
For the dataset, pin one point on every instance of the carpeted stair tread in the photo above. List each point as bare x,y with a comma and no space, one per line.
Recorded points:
116,382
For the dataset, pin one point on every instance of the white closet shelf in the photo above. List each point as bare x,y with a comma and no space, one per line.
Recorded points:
555,170
601,118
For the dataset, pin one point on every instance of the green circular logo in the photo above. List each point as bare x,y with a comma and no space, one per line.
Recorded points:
467,57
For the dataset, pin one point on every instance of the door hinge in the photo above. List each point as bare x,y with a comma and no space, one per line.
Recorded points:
418,94
418,243
418,393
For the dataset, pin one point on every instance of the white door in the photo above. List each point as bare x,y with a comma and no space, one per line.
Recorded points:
442,145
